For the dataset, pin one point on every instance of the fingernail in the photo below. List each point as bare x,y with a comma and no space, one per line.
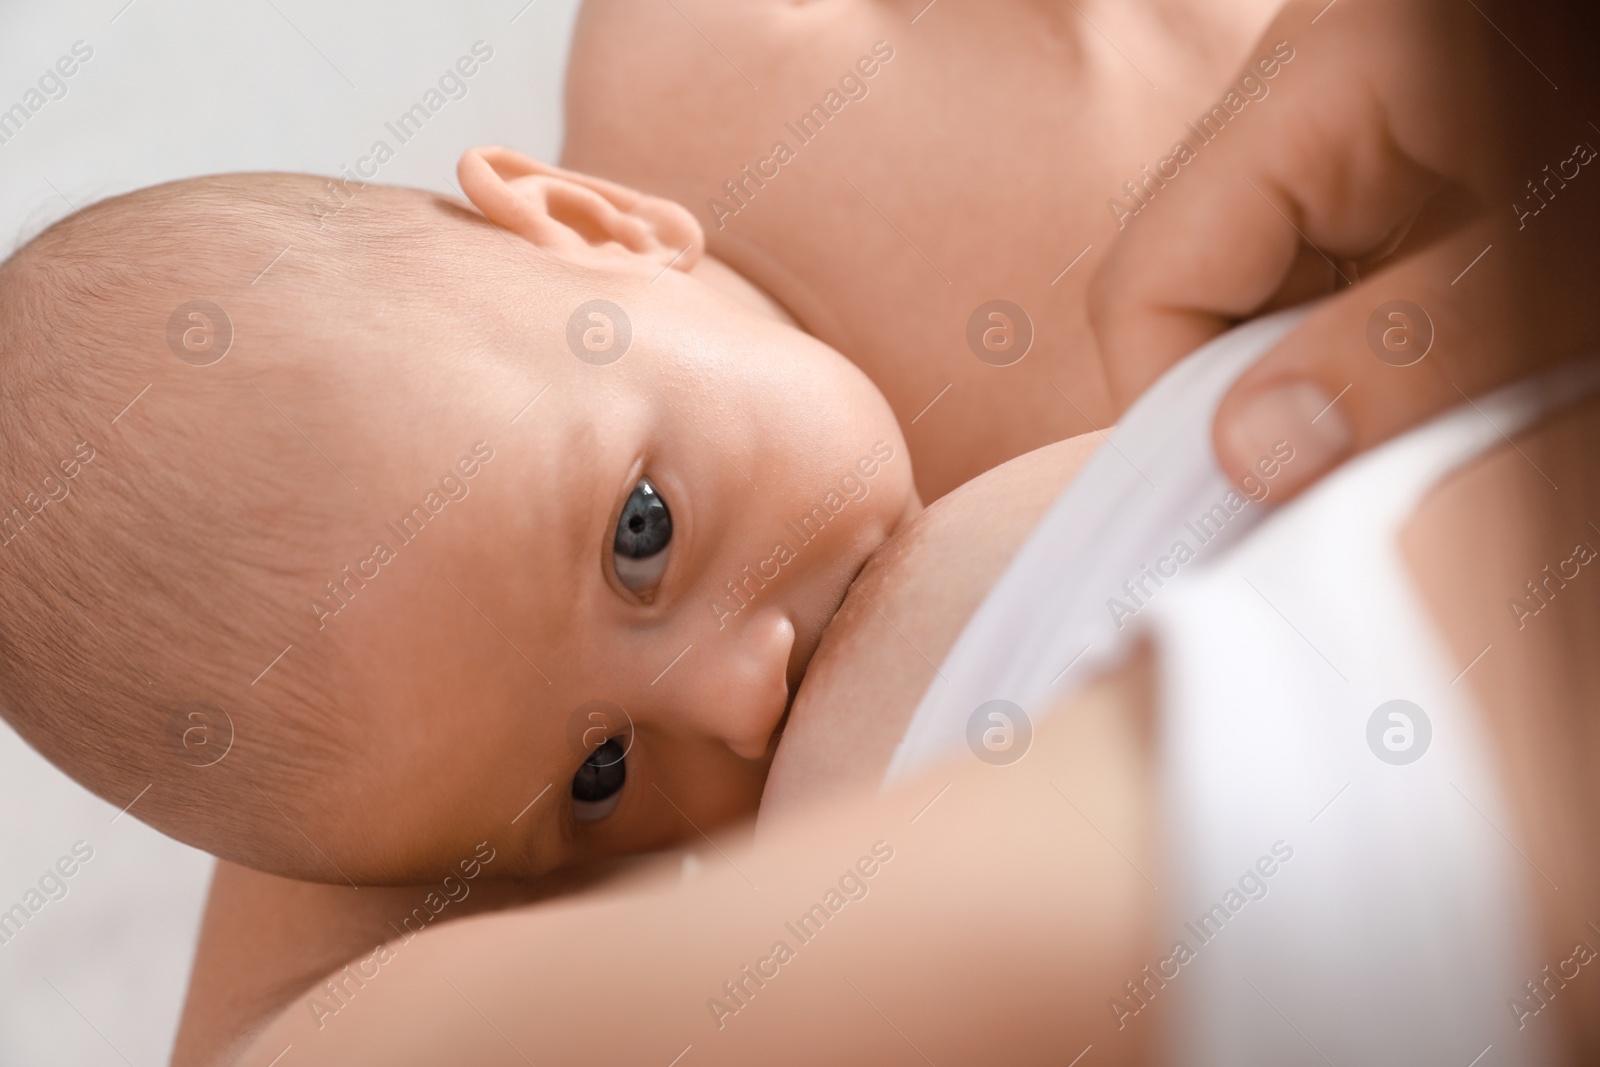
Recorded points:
1296,428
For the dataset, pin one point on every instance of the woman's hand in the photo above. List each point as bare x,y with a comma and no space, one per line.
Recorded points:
1417,159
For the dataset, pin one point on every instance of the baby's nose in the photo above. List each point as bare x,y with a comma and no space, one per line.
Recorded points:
742,689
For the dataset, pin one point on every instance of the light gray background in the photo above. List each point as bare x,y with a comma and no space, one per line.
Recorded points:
176,88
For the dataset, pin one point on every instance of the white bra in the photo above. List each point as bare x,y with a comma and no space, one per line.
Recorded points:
1343,886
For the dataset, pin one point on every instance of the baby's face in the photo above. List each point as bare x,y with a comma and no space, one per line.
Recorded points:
650,500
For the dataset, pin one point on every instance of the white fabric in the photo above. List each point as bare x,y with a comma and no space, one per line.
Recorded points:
1397,930
1400,929
1121,512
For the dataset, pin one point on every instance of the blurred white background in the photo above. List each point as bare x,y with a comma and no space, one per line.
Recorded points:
176,88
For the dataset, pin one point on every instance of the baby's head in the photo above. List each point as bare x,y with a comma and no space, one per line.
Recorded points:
350,522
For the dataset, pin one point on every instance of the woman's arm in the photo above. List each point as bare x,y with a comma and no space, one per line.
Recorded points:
263,940
976,915
266,942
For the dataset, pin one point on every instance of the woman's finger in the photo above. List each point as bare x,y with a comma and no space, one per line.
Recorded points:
1396,125
1324,166
1371,361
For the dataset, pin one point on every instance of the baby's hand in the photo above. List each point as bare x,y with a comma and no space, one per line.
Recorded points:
1422,144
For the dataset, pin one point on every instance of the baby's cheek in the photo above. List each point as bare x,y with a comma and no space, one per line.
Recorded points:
707,786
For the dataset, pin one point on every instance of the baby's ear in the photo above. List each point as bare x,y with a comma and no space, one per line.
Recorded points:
584,219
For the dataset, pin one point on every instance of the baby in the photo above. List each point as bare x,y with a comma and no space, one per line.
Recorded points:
409,528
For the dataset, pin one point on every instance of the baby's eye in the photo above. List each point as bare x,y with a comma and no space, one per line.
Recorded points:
598,784
639,550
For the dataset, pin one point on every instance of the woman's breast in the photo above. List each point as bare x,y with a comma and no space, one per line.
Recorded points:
905,610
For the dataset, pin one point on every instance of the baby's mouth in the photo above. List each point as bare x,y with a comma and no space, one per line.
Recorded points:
805,651
806,654
777,731
783,720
